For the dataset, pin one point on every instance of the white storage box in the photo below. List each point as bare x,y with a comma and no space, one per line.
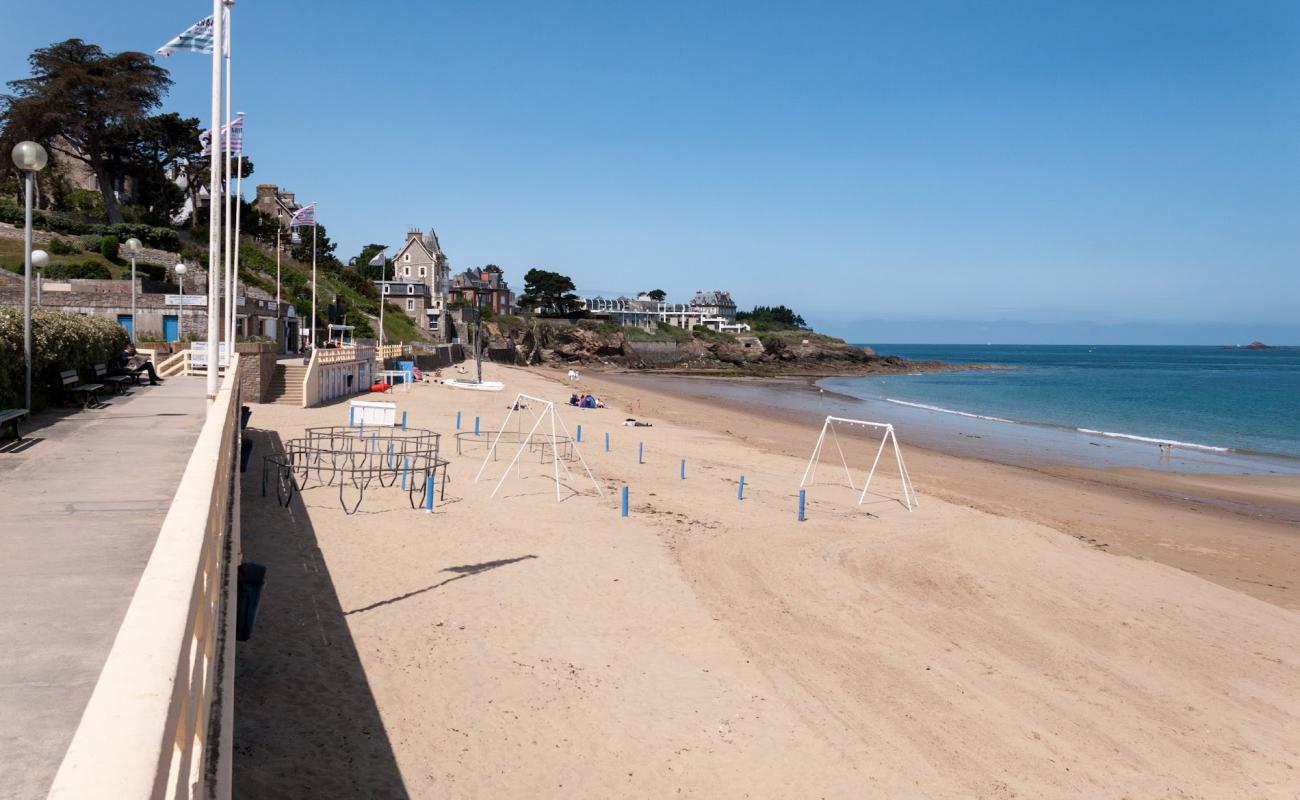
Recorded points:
371,412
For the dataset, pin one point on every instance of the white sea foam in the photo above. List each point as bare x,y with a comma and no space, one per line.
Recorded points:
1152,440
949,411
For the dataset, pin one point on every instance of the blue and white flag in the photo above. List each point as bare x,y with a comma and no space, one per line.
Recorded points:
197,38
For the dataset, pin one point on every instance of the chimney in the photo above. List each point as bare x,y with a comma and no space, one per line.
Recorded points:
413,233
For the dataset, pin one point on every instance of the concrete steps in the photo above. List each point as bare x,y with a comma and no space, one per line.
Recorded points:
286,385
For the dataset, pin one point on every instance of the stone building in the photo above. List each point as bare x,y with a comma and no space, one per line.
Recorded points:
274,202
421,262
482,289
713,310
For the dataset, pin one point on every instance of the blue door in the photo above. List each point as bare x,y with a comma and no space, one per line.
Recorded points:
125,321
171,331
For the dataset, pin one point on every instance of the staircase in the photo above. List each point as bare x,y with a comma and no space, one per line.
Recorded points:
286,385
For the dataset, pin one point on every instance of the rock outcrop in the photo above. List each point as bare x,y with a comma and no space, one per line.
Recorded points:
588,344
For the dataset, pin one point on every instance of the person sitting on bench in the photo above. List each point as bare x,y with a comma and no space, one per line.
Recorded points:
135,363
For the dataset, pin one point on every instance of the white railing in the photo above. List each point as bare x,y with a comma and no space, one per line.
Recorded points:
160,720
176,364
336,372
393,351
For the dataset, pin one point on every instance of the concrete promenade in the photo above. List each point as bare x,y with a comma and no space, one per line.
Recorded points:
80,511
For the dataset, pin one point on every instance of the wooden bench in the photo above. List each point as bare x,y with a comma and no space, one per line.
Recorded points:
118,382
88,392
10,416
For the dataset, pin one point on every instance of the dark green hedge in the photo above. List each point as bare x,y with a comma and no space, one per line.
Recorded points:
60,340
161,238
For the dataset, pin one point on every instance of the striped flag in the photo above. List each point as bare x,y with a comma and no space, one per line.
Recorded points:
197,38
232,134
304,216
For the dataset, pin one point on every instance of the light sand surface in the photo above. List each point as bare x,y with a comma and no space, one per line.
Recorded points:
711,647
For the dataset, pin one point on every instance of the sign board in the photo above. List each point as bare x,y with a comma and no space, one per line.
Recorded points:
292,312
199,354
271,304
239,301
185,300
371,412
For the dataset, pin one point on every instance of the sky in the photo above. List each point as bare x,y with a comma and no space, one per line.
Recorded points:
925,172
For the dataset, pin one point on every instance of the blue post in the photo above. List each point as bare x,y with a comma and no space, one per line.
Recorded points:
406,466
801,503
428,493
740,493
363,428
640,452
374,442
623,512
683,469
476,426
606,441
352,412
579,434
457,420
403,420
390,454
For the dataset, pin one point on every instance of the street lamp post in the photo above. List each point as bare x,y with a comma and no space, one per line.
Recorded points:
29,158
133,249
40,260
180,313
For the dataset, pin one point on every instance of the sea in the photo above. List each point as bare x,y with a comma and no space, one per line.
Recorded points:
1218,408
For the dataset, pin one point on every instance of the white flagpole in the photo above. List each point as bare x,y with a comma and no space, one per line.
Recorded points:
383,276
239,205
214,202
230,299
313,278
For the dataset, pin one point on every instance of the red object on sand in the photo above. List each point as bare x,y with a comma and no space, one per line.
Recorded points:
379,387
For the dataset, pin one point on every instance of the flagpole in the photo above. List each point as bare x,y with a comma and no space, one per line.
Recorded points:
313,278
239,207
230,298
214,202
383,276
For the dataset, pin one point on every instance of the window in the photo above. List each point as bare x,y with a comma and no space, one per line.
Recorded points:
406,257
386,288
410,304
422,273
410,288
406,271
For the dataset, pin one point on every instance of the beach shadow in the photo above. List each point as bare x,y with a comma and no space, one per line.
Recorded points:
13,446
306,720
464,571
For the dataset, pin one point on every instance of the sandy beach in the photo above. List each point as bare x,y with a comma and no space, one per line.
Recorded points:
1047,632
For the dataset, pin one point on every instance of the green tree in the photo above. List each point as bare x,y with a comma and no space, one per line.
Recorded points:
492,268
324,246
657,294
772,318
75,99
361,262
548,293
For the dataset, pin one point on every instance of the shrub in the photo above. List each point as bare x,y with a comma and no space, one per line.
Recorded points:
86,269
108,247
90,243
60,340
154,272
59,247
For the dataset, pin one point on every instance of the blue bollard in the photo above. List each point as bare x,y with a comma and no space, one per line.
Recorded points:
801,504
640,452
740,493
623,512
476,426
403,420
390,455
457,420
428,493
579,434
363,428
606,441
406,467
352,412
683,469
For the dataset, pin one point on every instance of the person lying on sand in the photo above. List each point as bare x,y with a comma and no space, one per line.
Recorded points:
632,423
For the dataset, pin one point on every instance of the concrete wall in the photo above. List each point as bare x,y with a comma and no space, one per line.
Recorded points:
658,354
443,356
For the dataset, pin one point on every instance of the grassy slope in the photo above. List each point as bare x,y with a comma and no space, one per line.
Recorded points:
11,258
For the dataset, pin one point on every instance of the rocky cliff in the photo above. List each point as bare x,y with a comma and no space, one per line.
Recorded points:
595,345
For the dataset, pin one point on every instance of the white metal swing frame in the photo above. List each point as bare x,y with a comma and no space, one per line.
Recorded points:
525,402
810,474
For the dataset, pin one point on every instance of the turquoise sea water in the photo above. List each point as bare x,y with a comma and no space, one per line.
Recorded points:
1201,398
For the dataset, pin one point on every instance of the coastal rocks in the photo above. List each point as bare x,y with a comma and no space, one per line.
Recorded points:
589,343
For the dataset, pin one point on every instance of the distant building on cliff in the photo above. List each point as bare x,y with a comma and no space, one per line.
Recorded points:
274,202
713,310
482,289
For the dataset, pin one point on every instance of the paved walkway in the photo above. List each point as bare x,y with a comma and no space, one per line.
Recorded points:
80,510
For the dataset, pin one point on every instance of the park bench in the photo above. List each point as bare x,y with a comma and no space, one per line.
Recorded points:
10,416
118,382
88,392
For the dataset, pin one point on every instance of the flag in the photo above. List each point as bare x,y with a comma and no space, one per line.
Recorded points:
304,216
197,38
232,134
378,260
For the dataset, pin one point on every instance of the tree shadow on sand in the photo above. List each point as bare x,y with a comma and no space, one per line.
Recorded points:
306,721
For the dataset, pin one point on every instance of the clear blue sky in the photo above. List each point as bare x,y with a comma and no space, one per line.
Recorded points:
947,171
